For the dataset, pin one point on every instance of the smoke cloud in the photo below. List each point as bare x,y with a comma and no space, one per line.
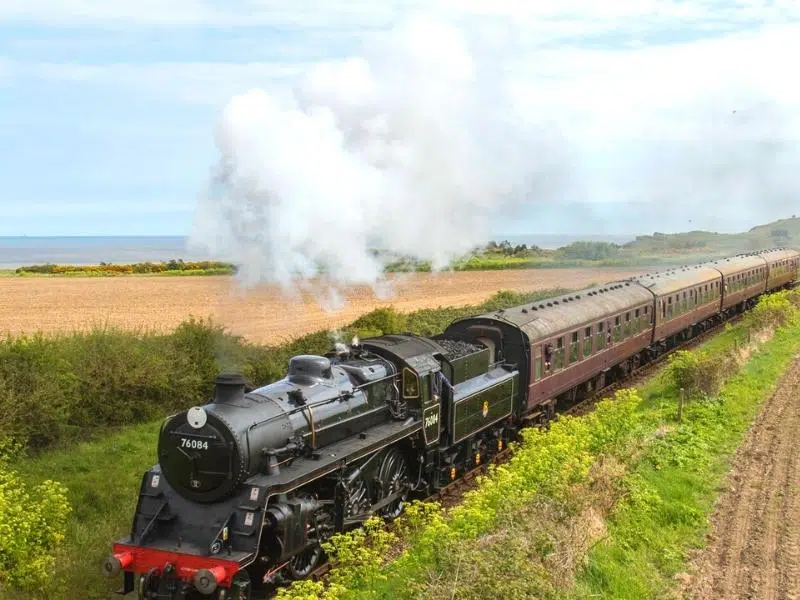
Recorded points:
412,148
438,136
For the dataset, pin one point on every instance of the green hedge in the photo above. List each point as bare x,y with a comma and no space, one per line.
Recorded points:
56,390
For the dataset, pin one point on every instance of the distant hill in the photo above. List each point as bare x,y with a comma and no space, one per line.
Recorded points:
784,232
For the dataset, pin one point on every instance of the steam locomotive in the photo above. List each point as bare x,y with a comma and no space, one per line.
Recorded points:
248,485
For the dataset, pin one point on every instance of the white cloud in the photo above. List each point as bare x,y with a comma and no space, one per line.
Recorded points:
419,122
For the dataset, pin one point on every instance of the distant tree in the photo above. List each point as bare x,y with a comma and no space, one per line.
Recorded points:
589,250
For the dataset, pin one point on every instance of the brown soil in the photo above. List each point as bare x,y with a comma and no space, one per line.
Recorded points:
754,547
51,304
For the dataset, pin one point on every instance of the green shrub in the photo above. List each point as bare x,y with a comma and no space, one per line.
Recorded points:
774,310
700,374
32,526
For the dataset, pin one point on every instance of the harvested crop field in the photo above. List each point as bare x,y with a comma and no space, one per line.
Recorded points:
262,314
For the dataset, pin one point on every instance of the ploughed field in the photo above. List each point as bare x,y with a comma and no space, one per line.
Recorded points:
261,314
754,544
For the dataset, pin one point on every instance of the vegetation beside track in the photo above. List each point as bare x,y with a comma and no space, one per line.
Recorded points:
604,505
113,385
172,267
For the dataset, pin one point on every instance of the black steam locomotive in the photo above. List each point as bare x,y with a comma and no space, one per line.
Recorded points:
247,486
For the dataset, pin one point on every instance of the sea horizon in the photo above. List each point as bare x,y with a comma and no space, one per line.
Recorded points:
26,250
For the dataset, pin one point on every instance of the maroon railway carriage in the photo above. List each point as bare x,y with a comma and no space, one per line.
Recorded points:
567,344
683,298
743,278
782,265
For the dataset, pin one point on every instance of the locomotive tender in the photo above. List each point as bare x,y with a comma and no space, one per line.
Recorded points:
248,485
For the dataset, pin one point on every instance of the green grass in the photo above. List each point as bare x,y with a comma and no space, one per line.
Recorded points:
648,541
103,480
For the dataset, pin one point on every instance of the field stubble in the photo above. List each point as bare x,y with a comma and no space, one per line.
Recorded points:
262,314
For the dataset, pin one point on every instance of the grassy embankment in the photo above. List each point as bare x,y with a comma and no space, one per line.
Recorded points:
602,506
114,386
658,250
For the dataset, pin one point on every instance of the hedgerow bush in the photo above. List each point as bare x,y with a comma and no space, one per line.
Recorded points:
774,310
123,269
702,374
33,524
55,390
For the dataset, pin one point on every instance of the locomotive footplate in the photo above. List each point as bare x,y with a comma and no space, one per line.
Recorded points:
166,575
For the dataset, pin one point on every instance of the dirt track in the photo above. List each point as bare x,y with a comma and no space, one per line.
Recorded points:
51,304
754,550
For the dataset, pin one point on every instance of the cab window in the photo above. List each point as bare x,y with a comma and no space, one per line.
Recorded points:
410,384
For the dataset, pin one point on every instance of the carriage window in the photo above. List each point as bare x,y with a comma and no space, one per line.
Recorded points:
617,329
537,362
587,341
558,363
601,336
574,349
669,307
637,320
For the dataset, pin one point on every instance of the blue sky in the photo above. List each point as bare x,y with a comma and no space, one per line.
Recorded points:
108,108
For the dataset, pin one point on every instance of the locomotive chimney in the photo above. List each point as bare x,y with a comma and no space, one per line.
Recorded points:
228,387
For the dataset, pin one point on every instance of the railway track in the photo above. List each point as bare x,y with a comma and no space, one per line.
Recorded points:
452,493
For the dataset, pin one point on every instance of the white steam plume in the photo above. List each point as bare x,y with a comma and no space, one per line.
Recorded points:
412,148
